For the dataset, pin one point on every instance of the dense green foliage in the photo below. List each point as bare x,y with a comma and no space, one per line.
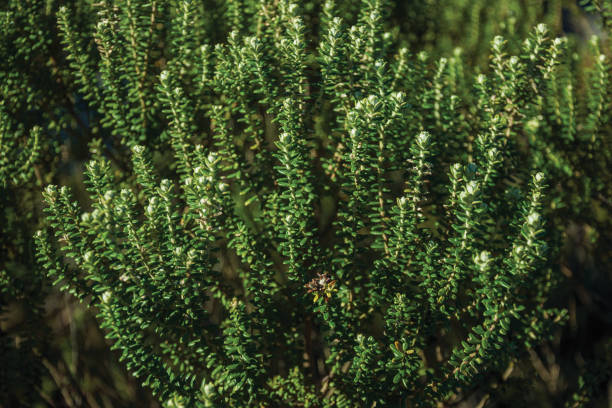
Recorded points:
310,204
22,148
50,352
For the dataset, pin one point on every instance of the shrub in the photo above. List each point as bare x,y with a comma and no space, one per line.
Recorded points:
341,224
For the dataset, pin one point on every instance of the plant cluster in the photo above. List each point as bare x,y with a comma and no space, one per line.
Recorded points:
305,204
346,224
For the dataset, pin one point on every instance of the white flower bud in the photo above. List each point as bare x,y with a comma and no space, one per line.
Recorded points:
86,217
493,153
106,296
138,149
498,41
109,195
102,24
423,138
469,191
533,218
165,185
472,187
209,390
538,177
51,191
283,137
532,125
482,259
91,166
